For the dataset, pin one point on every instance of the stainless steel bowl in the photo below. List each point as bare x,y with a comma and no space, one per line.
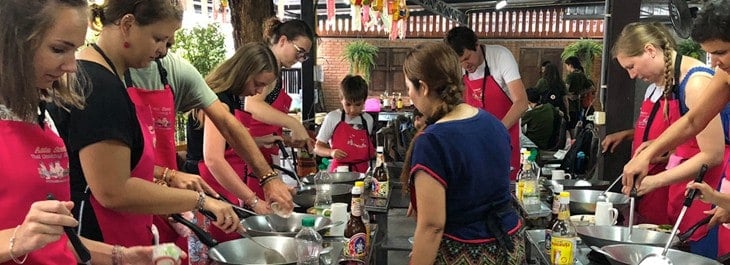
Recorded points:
584,201
600,236
340,193
273,225
623,254
337,177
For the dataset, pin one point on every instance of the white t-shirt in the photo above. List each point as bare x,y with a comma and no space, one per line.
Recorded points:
333,118
502,66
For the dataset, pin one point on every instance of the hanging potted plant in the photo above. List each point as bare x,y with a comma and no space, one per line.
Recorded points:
692,49
361,56
586,50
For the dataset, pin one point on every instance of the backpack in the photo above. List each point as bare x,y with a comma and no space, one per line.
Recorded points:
587,142
680,94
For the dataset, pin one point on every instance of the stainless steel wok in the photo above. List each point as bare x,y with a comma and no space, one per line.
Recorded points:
584,201
273,225
340,193
337,177
623,254
570,184
244,251
600,236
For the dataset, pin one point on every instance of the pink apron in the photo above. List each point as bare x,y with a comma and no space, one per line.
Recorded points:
649,125
355,142
128,229
281,101
485,93
161,103
34,163
239,167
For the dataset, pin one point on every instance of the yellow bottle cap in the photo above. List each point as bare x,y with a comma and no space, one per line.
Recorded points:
564,194
359,184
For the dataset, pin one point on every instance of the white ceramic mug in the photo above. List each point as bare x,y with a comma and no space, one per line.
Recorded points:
558,174
605,213
599,118
338,213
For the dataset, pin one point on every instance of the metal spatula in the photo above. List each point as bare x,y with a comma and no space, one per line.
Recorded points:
662,259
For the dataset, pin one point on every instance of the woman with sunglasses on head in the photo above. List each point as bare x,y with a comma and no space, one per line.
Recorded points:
38,42
266,113
111,141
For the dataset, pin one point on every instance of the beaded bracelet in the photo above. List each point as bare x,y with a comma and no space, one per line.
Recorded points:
254,201
201,201
164,174
171,176
117,255
267,180
12,244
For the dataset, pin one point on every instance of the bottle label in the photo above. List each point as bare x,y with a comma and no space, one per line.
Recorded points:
548,239
355,246
561,250
379,189
356,207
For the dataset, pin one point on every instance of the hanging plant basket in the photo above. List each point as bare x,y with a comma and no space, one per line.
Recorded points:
361,56
586,50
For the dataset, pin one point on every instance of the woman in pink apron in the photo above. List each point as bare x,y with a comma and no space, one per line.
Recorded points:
647,51
111,141
33,158
247,73
266,113
345,134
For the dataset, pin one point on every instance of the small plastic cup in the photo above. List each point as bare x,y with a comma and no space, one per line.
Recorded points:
276,208
166,254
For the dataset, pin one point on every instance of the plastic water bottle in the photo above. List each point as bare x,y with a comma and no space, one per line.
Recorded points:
323,198
580,159
309,243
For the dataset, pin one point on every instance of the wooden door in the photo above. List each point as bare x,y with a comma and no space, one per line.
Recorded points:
387,76
531,60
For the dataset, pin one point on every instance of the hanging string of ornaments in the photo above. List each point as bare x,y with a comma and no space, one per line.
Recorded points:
391,15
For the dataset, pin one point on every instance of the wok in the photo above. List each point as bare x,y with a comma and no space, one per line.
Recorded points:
262,225
305,195
337,177
243,251
584,201
600,236
623,254
570,184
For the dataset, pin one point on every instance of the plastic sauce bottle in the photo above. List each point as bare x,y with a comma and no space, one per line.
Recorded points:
355,229
563,243
309,243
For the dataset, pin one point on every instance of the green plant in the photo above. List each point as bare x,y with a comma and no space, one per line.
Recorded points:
361,56
692,49
202,46
586,50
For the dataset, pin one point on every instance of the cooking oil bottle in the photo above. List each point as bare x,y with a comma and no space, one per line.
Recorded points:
562,240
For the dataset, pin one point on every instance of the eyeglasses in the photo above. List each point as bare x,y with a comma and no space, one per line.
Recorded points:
302,54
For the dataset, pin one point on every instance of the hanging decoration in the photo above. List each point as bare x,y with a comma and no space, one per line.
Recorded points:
386,16
356,14
376,7
280,9
399,15
330,12
366,13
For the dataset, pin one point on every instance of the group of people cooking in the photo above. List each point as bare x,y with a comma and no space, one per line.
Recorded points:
94,129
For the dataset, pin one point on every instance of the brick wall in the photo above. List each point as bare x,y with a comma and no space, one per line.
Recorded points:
329,55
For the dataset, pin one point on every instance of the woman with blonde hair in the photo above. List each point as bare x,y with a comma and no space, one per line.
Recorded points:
247,73
110,141
648,51
457,216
